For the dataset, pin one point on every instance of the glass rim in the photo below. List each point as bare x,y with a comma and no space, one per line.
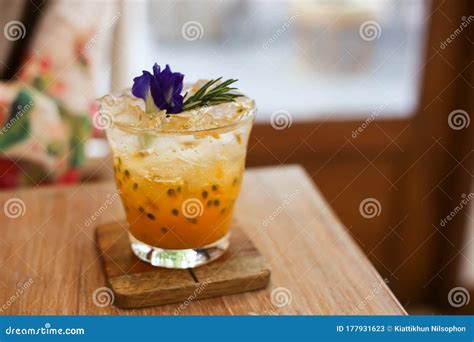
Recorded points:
249,116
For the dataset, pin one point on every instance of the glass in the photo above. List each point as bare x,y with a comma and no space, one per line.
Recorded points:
178,188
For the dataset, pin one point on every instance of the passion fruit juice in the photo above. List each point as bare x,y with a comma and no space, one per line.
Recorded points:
180,212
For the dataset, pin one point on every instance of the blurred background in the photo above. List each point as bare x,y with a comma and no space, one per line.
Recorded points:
373,98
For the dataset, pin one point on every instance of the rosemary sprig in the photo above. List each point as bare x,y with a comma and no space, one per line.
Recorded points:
212,93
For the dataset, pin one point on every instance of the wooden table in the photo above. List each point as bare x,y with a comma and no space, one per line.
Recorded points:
49,263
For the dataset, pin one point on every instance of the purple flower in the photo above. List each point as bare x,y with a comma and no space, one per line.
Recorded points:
162,88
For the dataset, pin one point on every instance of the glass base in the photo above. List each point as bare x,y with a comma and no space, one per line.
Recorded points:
179,258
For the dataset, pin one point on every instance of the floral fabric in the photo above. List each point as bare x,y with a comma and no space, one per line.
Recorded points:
45,112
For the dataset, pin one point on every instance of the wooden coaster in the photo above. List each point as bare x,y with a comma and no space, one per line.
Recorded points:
138,284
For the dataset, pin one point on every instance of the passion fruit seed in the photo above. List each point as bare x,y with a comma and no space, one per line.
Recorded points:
217,202
135,186
164,230
178,189
150,216
119,160
175,212
141,209
193,220
215,187
223,210
234,183
209,203
171,192
204,194
127,173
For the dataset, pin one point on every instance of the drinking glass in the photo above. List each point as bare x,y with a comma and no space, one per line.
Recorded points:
178,186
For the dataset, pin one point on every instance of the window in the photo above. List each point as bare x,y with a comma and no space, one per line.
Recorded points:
318,60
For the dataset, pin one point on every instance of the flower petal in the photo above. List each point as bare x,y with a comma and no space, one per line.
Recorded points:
164,86
156,70
177,104
141,85
157,93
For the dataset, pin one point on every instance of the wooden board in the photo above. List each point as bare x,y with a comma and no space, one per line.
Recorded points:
138,284
312,257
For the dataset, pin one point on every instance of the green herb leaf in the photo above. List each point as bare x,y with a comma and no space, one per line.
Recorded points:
212,93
